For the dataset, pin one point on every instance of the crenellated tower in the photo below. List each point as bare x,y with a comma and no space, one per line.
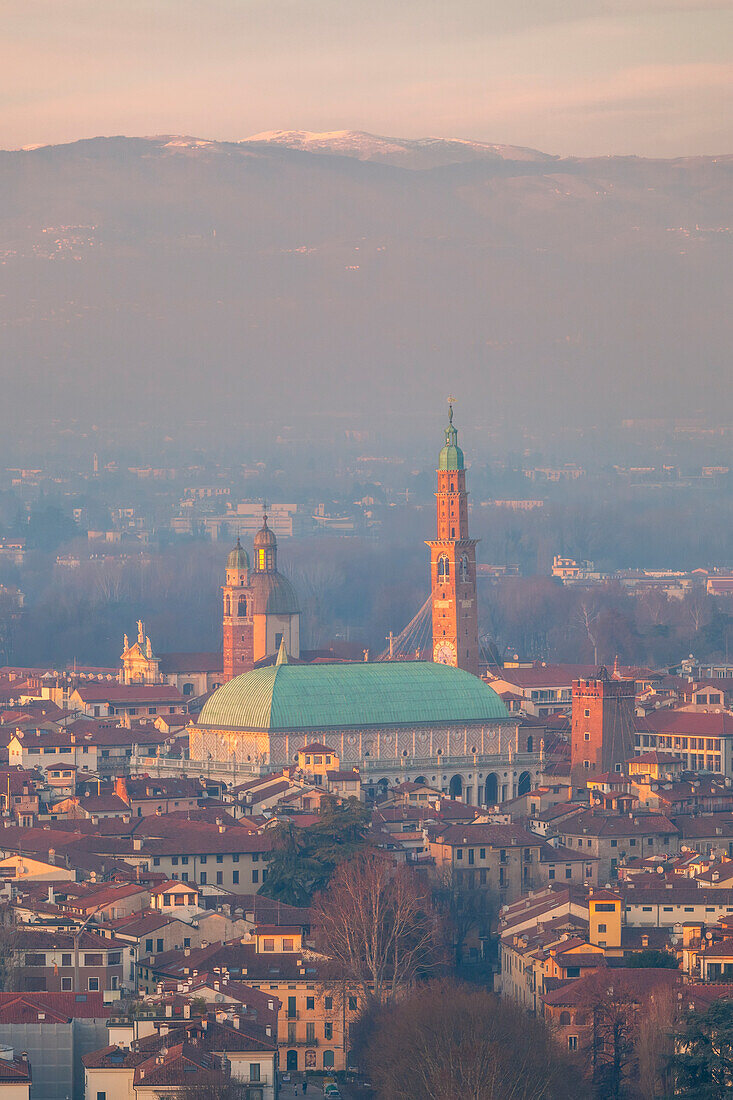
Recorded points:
453,563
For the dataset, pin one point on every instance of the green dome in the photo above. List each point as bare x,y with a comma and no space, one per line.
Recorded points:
338,696
451,458
238,558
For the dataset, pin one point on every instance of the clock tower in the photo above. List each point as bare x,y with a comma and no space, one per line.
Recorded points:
453,563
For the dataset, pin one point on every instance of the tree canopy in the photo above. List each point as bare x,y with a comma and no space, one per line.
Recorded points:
304,859
703,1063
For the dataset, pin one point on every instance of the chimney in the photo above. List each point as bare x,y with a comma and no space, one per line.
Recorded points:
187,1012
51,896
235,1021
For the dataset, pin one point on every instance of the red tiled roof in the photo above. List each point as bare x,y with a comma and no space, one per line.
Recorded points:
191,662
696,723
496,835
17,1008
129,693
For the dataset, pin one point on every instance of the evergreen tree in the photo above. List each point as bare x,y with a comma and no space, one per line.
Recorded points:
703,1064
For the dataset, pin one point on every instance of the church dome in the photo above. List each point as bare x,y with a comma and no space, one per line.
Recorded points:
358,695
264,538
273,594
238,558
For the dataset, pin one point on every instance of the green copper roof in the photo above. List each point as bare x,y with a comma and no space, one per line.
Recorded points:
451,457
335,696
238,558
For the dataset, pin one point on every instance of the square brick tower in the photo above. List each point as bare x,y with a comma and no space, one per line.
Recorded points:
453,563
602,726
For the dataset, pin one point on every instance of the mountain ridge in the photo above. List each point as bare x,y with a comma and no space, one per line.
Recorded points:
217,275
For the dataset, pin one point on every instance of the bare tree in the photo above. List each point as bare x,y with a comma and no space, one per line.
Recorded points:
378,926
655,1045
466,910
448,1040
588,618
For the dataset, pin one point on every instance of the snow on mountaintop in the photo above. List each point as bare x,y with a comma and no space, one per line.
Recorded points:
404,152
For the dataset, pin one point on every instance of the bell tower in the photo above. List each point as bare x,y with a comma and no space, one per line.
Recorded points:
453,563
238,632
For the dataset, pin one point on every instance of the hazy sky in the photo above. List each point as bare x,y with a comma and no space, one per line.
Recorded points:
650,77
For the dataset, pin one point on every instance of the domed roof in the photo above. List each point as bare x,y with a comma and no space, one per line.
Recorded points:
451,457
273,594
338,696
264,537
238,558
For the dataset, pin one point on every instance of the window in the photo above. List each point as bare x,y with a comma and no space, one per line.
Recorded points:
149,947
586,737
614,844
156,861
66,985
66,959
352,1004
551,872
187,941
101,1096
328,1030
268,944
310,1033
220,859
35,958
254,1071
235,877
184,860
572,1042
601,928
93,985
459,853
288,946
219,878
328,1003
255,876
310,1002
235,857
443,569
202,877
203,859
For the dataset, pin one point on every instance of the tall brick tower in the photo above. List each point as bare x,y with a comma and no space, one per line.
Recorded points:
453,563
602,726
238,609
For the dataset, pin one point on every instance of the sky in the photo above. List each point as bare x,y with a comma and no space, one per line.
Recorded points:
582,77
